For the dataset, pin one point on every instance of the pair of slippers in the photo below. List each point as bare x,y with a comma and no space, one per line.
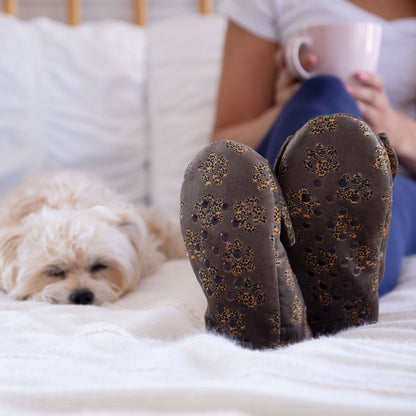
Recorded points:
302,243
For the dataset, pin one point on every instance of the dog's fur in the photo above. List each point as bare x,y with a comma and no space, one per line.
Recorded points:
64,233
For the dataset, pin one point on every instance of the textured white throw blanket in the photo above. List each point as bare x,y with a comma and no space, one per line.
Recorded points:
148,354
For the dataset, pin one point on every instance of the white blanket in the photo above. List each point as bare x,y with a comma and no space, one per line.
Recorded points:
149,354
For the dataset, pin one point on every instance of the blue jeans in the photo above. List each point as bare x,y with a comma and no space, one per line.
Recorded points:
327,95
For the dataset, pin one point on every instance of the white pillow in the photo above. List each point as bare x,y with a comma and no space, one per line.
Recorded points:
74,98
184,68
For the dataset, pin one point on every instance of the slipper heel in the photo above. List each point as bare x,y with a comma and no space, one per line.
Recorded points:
390,155
336,175
231,221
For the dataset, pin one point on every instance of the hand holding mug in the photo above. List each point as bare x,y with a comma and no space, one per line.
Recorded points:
373,102
341,49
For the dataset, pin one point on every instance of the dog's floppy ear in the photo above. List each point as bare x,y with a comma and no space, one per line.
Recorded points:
147,252
10,239
127,219
136,233
131,223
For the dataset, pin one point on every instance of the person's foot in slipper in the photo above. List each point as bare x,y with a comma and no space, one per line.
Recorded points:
337,175
233,217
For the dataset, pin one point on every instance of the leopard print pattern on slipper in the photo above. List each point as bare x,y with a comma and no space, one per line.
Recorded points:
232,217
337,175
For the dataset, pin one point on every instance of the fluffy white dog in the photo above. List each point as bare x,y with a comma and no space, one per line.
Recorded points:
67,238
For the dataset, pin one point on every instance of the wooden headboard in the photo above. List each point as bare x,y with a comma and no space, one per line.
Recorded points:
74,10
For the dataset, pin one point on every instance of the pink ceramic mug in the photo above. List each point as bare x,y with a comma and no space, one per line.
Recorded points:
342,49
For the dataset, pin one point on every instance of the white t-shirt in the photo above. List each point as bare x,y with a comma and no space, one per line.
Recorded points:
278,20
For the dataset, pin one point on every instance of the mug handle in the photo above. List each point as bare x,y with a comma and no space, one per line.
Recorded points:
292,56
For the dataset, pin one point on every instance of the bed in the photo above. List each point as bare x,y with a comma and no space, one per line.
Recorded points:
133,104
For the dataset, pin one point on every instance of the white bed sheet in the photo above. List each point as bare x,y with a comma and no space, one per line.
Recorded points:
148,354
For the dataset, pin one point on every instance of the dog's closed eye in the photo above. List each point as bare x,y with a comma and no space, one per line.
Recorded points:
55,271
98,267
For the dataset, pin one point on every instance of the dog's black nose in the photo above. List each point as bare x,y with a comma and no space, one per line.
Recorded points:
82,297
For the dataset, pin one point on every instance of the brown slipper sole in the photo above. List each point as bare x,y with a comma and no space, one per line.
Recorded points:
232,212
336,175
